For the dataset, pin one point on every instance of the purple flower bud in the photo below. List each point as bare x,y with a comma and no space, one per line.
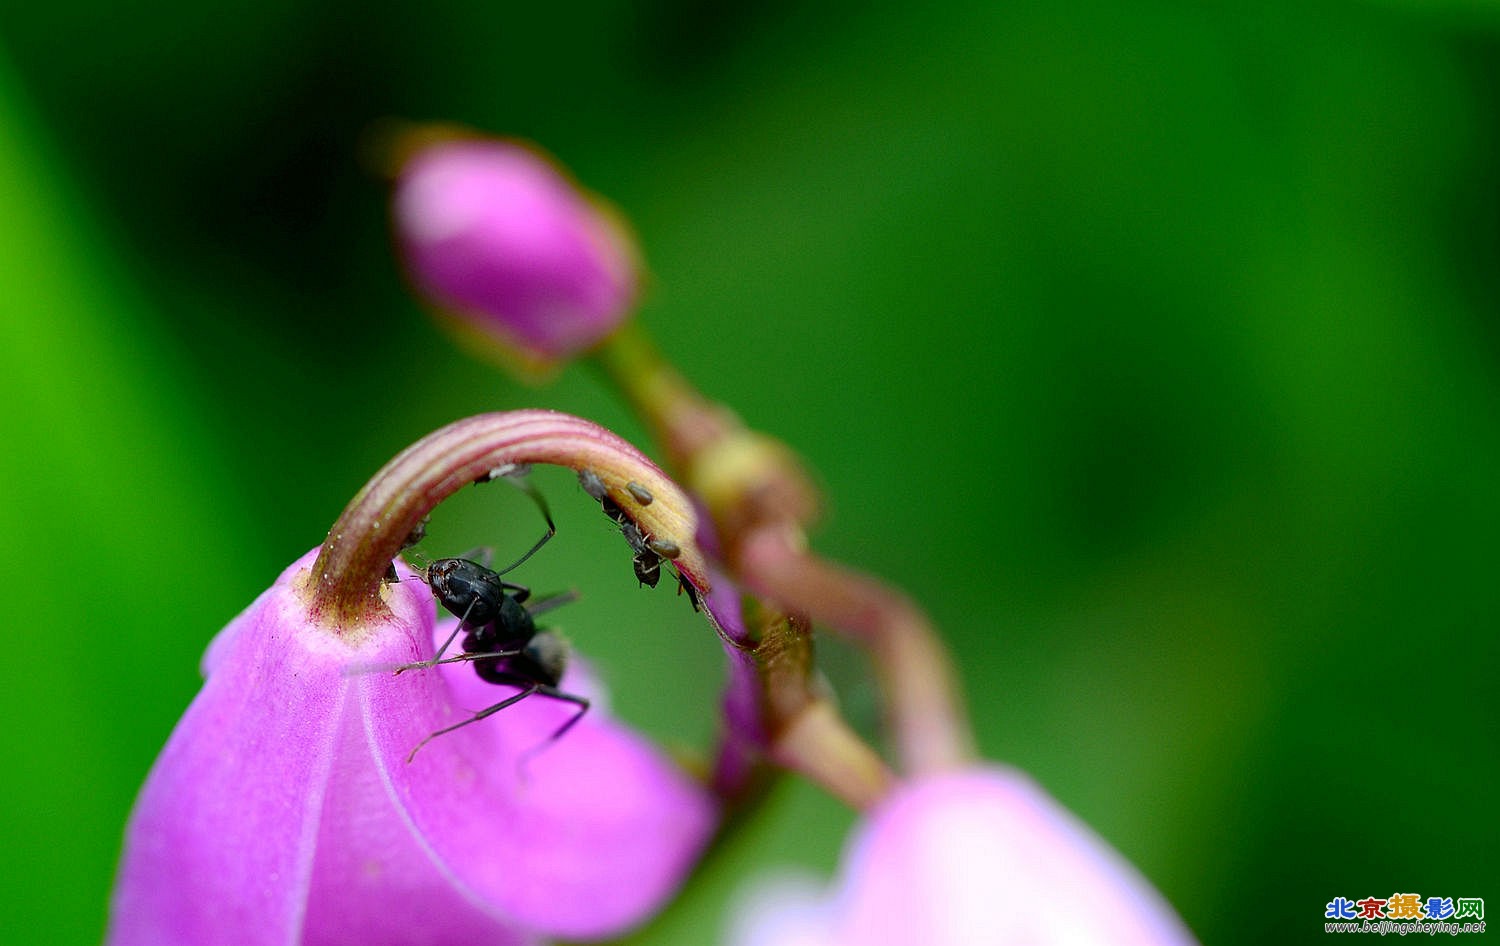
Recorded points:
283,808
981,856
495,234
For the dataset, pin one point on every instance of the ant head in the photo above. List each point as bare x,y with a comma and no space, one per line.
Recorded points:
435,573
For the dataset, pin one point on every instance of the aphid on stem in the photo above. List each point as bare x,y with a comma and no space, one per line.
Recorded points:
647,551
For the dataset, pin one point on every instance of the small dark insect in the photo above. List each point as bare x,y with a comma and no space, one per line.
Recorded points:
647,551
646,562
613,511
683,585
592,484
417,534
647,568
501,638
666,548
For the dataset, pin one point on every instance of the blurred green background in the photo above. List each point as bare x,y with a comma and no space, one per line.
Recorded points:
1154,348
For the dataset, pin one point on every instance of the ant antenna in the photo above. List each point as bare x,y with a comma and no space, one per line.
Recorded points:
536,496
437,658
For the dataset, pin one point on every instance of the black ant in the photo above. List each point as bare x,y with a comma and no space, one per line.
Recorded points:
501,638
648,551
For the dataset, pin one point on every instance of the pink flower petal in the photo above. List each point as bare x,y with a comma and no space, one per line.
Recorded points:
373,882
283,810
579,837
222,840
978,857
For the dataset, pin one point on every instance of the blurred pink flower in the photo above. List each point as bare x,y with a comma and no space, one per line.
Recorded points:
495,235
976,858
283,809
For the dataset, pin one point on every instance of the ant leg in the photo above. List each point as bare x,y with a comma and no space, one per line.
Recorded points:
489,711
541,504
466,657
683,585
581,702
556,694
549,602
437,658
552,692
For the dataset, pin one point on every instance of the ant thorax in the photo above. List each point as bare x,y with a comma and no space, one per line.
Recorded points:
511,628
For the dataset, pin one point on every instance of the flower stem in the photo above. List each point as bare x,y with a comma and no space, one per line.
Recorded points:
760,498
741,475
681,419
344,585
927,719
805,731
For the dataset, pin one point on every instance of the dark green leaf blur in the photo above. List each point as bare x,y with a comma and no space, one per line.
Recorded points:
1154,348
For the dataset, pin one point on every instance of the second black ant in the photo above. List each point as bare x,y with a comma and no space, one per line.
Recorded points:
647,551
